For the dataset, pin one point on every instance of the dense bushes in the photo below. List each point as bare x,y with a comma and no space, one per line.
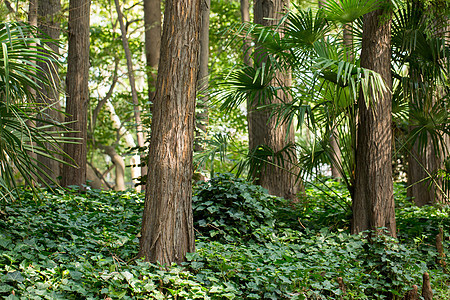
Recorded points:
229,209
82,246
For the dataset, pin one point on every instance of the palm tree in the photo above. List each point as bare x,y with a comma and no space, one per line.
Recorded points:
324,81
20,114
420,51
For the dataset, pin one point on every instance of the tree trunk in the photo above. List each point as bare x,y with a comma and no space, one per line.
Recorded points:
32,12
423,186
135,160
336,154
119,165
48,12
134,95
245,18
373,203
263,130
427,292
167,227
77,90
203,75
421,165
152,22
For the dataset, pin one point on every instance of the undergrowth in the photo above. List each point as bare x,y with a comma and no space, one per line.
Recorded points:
249,246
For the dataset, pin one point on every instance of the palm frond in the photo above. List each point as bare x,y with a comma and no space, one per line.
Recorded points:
347,11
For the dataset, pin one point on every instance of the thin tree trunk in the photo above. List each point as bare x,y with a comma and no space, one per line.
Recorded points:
373,203
152,22
48,23
119,165
167,226
277,178
245,18
32,12
77,90
203,75
134,95
97,178
135,160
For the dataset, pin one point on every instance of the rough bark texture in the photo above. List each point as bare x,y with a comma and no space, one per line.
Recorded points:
373,203
203,74
152,22
77,90
167,225
263,130
48,12
427,292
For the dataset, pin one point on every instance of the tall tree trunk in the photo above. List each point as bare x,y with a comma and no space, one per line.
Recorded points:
152,22
167,224
424,186
203,75
134,95
245,18
32,12
48,12
373,203
263,130
77,90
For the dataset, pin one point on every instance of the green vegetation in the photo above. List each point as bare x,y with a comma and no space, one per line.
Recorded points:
250,245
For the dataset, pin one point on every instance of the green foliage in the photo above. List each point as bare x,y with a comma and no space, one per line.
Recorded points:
229,209
20,114
74,246
327,204
82,246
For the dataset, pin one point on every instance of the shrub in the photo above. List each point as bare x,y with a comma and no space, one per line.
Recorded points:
231,209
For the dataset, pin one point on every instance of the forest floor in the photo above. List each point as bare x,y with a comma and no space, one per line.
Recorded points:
71,245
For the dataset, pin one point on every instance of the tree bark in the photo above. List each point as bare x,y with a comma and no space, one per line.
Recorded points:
422,164
48,12
277,178
423,186
373,203
167,227
32,12
152,22
427,292
245,18
203,75
77,90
